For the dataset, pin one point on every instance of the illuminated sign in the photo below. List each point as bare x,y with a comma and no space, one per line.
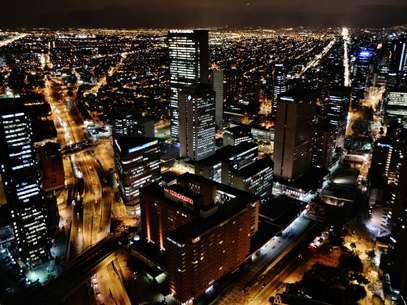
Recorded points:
179,196
181,31
384,145
141,147
365,54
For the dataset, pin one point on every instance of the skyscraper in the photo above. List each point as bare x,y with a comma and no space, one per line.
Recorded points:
188,54
21,179
279,84
399,57
128,122
362,72
337,108
138,164
293,134
395,104
217,85
197,122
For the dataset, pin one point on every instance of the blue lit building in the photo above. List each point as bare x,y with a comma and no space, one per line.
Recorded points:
362,71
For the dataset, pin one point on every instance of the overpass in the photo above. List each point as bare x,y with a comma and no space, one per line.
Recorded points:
77,272
78,147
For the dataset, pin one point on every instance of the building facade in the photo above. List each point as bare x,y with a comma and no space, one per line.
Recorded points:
293,134
197,122
279,84
138,165
188,55
217,85
395,105
22,185
204,228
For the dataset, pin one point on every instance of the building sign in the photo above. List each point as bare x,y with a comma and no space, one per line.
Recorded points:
178,196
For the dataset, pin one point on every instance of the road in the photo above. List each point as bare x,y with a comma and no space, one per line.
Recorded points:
93,223
246,289
346,63
6,42
315,62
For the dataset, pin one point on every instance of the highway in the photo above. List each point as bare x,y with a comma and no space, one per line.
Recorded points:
91,224
6,42
315,62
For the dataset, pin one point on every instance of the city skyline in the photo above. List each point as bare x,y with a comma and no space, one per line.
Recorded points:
203,165
207,13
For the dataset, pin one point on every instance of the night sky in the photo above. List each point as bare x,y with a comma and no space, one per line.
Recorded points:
185,13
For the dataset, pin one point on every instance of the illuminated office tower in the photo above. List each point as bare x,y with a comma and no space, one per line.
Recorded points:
188,54
129,122
197,122
217,85
294,134
362,69
395,105
279,84
21,179
138,165
337,109
399,57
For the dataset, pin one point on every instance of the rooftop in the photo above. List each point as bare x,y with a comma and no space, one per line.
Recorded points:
255,167
133,144
226,152
202,226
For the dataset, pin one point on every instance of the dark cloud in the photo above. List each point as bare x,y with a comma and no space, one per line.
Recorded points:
184,13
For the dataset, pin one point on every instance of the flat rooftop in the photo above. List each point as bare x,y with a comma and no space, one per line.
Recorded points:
202,226
281,210
133,144
255,167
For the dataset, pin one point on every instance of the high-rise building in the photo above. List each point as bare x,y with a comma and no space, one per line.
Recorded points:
394,262
218,166
323,154
337,109
165,208
236,135
197,122
395,104
293,134
206,249
189,60
128,122
21,180
382,159
398,62
138,165
362,72
279,84
256,178
205,228
217,85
